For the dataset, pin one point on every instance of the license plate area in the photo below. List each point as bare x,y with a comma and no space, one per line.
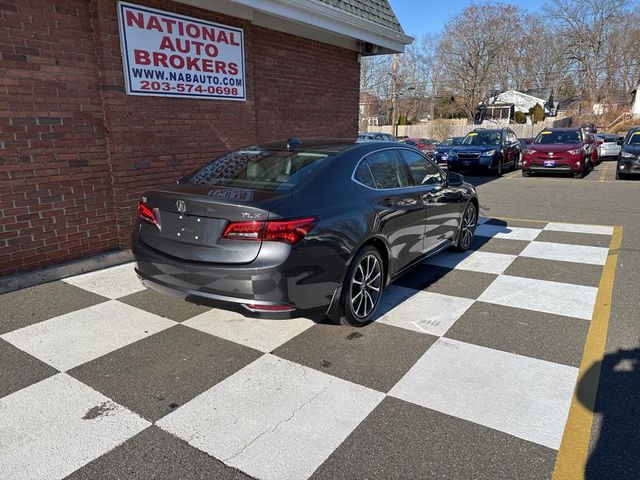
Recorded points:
549,163
191,228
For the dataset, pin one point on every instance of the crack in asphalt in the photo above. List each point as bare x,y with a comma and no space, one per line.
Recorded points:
282,422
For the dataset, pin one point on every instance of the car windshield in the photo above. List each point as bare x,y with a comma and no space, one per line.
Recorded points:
482,138
258,168
634,139
558,137
409,142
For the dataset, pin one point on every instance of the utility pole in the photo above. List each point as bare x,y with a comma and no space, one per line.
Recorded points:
394,94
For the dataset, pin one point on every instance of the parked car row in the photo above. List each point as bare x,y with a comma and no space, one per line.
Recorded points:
574,151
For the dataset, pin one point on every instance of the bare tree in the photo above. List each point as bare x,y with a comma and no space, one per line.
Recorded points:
588,26
477,43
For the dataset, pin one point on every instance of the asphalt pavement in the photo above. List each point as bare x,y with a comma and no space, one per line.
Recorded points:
480,365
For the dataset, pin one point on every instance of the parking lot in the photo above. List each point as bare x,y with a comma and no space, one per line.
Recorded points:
469,371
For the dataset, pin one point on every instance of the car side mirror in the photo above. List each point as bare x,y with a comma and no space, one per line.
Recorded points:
454,179
620,142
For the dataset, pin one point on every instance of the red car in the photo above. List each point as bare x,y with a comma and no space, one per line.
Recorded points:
422,144
561,150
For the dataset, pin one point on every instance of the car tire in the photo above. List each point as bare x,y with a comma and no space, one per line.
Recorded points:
581,173
467,231
526,173
620,176
499,168
365,275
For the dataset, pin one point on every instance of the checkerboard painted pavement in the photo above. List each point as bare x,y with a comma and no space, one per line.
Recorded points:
467,373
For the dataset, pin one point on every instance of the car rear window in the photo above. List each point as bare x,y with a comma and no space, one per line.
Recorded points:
261,169
558,137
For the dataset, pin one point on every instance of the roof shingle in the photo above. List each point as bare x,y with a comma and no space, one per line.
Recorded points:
377,11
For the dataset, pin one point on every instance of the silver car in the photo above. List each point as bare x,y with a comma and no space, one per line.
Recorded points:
609,146
375,137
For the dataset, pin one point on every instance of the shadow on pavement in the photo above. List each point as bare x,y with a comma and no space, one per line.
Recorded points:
616,453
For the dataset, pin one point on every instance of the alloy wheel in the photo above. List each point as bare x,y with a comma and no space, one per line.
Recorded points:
366,286
468,226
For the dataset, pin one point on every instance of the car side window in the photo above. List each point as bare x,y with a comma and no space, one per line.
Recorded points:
378,137
422,170
387,170
363,175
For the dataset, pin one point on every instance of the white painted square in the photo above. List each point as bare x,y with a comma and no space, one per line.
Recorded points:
509,233
486,262
572,228
114,282
78,337
263,335
44,432
566,253
542,296
521,396
426,312
392,296
274,419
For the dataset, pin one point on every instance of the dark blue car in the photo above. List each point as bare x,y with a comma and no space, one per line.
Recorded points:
441,153
493,150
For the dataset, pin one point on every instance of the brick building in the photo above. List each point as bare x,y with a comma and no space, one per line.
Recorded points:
77,148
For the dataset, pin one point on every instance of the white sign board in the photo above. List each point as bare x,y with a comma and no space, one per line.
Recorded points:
169,55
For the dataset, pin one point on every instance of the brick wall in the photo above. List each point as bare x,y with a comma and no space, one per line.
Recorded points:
76,152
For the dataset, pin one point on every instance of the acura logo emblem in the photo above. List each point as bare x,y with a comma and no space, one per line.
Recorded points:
181,206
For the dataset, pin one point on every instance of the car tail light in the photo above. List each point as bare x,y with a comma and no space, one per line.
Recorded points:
146,214
287,231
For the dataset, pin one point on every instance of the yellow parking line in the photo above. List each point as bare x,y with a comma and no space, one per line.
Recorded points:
605,171
574,449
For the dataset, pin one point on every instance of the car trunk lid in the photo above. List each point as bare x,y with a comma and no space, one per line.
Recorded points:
193,218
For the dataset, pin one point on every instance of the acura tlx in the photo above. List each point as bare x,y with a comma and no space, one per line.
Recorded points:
301,228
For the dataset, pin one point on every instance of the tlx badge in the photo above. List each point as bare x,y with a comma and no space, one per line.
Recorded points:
181,206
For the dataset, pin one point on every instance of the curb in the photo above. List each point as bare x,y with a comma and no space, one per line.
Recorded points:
17,281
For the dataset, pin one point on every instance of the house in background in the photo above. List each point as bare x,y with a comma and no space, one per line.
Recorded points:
502,108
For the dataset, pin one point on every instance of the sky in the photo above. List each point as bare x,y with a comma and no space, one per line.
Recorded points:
418,17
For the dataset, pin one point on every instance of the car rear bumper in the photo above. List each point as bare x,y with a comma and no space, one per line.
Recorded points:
276,291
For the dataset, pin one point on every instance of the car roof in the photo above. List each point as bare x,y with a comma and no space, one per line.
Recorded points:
477,130
324,144
561,129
